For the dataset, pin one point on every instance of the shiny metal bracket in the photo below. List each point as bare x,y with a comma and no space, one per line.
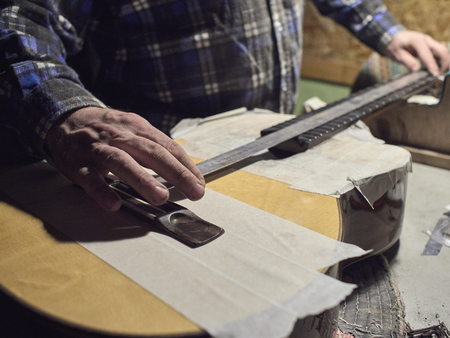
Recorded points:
174,219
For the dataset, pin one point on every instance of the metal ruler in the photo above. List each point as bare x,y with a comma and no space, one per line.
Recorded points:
367,101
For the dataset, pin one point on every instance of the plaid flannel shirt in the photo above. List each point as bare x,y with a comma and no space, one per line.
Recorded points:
163,59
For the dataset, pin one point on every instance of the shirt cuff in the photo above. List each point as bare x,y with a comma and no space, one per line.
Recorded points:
387,37
381,30
53,99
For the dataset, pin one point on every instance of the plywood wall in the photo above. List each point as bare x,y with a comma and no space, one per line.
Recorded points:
332,54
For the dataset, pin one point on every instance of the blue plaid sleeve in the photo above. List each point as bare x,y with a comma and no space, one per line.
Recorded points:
36,85
368,20
166,60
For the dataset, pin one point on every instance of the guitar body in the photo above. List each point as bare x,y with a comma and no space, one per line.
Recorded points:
421,124
348,218
73,290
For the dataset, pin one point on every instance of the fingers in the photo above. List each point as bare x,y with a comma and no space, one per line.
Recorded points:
169,160
144,145
408,60
93,183
408,45
441,53
176,150
124,166
126,157
94,141
150,142
426,51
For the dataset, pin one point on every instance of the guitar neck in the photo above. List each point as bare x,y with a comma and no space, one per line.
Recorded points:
314,136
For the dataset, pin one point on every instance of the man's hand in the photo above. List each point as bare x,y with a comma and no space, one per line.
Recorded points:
407,45
93,141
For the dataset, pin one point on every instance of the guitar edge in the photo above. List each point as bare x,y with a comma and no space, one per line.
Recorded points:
76,291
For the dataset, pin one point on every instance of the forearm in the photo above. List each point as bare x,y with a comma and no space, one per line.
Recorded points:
36,85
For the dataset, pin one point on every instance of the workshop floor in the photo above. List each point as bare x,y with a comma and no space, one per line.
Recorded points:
424,281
